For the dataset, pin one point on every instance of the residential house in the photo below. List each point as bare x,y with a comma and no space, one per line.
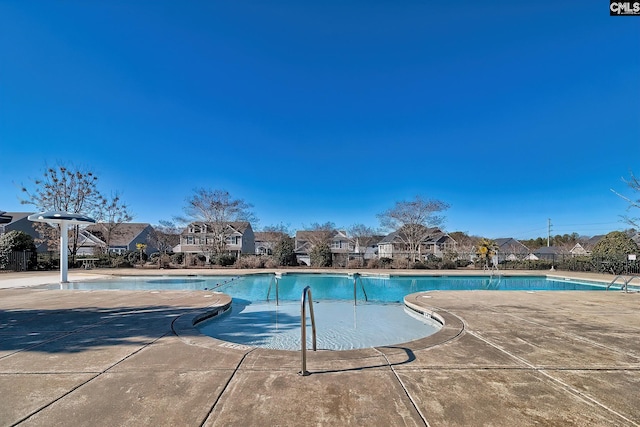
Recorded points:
435,242
510,249
89,245
585,247
266,240
20,222
337,240
124,238
368,251
198,238
550,253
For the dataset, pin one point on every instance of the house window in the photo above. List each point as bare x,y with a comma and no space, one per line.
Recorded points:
189,240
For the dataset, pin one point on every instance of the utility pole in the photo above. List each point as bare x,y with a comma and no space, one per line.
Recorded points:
548,232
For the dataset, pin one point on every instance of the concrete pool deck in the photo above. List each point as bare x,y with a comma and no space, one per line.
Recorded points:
133,358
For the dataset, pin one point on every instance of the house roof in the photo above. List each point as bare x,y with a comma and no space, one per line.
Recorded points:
435,235
5,219
239,226
595,239
550,250
125,233
508,244
316,235
16,216
265,236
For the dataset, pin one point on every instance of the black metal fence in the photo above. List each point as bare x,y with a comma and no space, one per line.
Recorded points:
20,261
613,264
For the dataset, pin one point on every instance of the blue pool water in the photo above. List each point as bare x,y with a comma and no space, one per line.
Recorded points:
340,325
375,288
378,318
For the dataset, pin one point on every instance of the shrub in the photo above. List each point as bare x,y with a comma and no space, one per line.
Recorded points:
355,263
48,264
136,257
177,258
462,263
320,256
17,241
271,262
374,263
385,262
448,265
223,260
400,263
160,259
609,255
121,261
250,261
284,252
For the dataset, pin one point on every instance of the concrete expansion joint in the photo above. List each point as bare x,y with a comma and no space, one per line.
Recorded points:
224,388
97,375
71,390
562,384
404,388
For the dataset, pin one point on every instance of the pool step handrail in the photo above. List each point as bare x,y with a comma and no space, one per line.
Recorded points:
626,279
276,277
303,323
356,276
634,276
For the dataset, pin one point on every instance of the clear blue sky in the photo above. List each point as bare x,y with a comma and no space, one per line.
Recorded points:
511,112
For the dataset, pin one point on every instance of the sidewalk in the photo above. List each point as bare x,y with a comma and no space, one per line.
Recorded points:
106,358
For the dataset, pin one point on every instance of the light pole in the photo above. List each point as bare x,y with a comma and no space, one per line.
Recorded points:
64,219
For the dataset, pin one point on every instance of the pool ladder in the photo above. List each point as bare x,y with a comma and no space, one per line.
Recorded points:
626,279
303,323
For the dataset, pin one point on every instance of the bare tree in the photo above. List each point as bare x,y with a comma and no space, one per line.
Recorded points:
112,213
634,183
362,237
320,233
465,244
65,189
413,221
272,234
165,236
214,210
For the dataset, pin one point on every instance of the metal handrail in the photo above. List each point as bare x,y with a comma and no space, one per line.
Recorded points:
355,283
276,277
626,279
629,281
303,324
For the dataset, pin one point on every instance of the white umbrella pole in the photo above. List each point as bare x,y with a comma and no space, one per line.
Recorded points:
64,256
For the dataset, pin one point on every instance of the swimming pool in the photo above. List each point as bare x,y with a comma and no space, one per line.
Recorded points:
340,325
352,310
370,287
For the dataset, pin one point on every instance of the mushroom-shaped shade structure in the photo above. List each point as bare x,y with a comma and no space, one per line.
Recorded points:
64,219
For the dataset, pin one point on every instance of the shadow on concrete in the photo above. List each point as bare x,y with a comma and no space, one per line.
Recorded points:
410,358
78,329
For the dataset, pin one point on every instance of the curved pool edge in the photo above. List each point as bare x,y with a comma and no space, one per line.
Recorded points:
184,327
